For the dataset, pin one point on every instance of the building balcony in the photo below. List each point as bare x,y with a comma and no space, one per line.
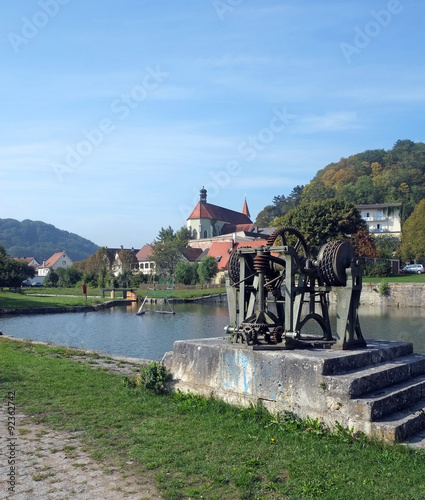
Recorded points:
375,218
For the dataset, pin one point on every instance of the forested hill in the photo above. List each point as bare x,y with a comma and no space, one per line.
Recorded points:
375,176
40,240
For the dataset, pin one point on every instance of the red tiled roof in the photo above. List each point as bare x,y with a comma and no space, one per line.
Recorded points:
245,209
50,262
144,253
205,210
223,250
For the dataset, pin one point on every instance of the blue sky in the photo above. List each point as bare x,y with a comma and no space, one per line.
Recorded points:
115,114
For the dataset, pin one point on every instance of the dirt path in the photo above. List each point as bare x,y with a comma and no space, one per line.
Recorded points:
52,464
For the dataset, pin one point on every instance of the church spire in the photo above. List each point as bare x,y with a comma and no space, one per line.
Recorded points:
245,209
203,195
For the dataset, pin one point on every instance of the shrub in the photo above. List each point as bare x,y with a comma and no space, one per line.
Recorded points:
153,376
380,268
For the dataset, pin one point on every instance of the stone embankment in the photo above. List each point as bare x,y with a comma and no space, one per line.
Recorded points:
393,295
53,310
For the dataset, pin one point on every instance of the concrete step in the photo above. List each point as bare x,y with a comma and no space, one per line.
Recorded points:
416,440
356,383
404,425
377,351
377,404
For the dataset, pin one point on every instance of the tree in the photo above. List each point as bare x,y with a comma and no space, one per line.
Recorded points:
128,260
167,249
12,271
207,269
186,272
412,245
68,276
322,221
97,268
387,246
52,279
363,243
281,206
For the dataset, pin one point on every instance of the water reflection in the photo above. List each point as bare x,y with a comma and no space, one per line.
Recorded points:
120,331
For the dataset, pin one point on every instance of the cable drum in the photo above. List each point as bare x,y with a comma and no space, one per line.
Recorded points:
334,258
233,266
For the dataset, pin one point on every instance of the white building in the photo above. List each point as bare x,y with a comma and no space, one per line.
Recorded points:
58,259
382,218
146,264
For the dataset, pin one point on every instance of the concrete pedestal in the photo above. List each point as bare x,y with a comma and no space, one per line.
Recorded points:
378,390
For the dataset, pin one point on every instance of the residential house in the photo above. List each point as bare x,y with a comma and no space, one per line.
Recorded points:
58,259
146,265
382,218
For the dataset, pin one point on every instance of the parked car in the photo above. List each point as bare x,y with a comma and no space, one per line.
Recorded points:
414,268
37,283
26,283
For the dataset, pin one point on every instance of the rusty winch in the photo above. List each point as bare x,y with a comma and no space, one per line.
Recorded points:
275,290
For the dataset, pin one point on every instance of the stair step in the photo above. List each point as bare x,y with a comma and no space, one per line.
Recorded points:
402,425
416,440
356,383
387,400
377,351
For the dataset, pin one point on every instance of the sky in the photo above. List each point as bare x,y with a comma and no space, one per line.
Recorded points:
116,114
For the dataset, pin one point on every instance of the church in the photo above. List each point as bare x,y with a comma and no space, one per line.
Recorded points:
208,220
216,231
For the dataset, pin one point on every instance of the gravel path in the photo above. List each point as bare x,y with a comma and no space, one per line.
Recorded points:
52,464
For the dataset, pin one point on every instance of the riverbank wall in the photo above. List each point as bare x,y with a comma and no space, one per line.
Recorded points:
65,309
390,295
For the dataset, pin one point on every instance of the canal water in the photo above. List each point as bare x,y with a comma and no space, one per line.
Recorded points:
119,331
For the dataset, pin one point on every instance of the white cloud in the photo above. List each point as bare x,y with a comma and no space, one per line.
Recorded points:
330,122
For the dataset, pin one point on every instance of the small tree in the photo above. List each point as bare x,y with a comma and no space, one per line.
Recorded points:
413,237
68,276
363,243
52,279
167,249
207,269
186,272
12,271
387,246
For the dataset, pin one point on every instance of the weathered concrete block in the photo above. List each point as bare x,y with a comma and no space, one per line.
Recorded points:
353,388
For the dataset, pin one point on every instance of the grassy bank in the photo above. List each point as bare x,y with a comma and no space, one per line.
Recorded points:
196,294
9,300
198,448
64,297
91,292
398,278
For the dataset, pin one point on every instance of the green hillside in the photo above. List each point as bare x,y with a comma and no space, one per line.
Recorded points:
375,176
40,240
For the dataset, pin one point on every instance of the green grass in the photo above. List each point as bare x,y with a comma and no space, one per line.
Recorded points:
61,291
191,294
398,278
9,300
64,297
201,448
